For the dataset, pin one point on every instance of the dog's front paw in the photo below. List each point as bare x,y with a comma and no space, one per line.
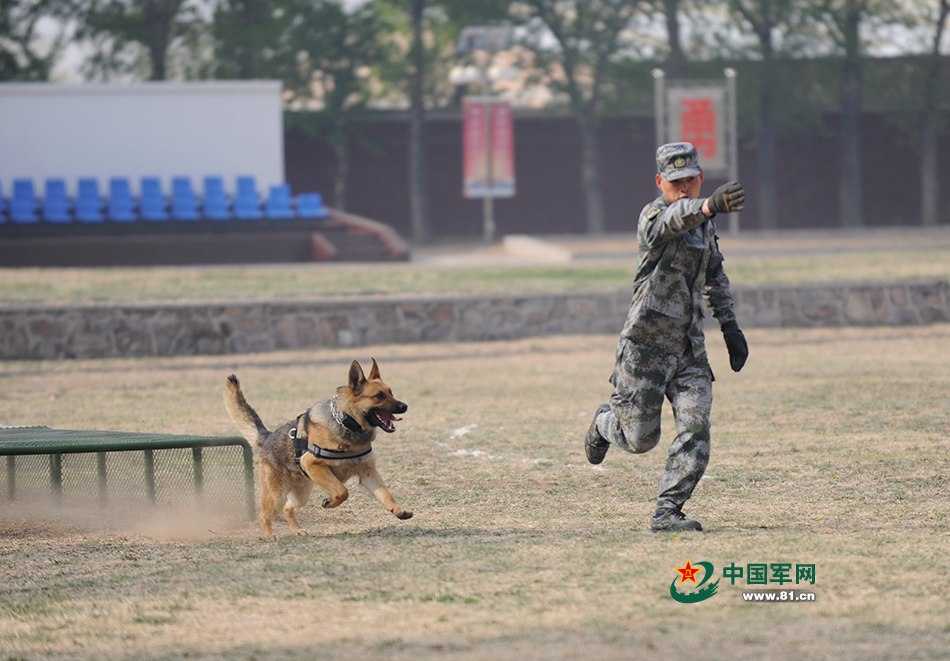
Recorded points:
403,514
301,532
335,500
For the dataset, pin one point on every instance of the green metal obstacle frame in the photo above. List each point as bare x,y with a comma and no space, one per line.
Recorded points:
91,464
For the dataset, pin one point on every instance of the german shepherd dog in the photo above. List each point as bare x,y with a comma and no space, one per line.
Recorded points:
326,445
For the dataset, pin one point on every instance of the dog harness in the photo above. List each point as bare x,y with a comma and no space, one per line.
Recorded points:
298,434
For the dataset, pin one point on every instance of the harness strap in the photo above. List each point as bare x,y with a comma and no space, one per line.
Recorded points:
298,434
323,453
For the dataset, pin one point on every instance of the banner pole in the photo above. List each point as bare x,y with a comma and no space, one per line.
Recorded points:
730,75
488,208
659,105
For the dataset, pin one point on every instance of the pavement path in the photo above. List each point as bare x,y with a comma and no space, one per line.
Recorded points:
622,246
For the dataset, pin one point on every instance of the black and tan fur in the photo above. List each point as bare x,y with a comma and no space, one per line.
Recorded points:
368,402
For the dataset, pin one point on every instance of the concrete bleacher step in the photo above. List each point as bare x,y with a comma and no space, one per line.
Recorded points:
341,237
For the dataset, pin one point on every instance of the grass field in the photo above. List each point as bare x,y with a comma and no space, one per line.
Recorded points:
751,260
829,449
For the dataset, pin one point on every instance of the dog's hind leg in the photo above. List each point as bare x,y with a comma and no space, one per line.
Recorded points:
270,506
272,497
373,482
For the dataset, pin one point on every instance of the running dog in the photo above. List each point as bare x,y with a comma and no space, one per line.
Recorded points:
326,445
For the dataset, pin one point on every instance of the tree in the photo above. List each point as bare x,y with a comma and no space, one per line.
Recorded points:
421,37
676,58
767,18
248,36
418,189
323,53
23,56
132,35
330,54
842,19
930,124
587,37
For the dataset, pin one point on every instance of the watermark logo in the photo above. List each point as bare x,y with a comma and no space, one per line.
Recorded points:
694,582
699,591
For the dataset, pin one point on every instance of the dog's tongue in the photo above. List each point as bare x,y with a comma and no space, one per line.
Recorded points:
388,420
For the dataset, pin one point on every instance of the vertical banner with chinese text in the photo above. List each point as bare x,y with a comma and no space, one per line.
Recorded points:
488,148
697,113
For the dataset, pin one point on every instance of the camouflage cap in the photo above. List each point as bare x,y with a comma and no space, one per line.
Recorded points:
676,160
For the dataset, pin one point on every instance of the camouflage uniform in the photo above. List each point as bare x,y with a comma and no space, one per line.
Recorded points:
662,351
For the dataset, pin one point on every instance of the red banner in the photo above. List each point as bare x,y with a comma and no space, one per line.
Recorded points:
697,114
488,148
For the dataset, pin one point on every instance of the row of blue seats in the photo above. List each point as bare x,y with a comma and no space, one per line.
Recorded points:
120,205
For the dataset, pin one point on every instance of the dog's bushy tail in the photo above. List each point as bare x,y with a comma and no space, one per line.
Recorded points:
245,418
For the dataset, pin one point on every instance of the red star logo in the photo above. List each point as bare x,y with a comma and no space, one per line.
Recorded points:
688,572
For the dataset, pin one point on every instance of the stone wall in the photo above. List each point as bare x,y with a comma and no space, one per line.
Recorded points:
258,326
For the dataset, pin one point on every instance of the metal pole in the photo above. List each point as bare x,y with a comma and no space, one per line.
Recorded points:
198,473
488,207
730,75
103,479
149,476
659,105
56,477
11,477
248,479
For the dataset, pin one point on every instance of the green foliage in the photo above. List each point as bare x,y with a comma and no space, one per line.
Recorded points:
23,55
248,38
132,36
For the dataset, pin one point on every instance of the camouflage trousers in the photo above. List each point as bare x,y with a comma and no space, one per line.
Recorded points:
642,377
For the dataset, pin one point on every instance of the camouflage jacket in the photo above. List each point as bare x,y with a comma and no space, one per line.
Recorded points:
679,265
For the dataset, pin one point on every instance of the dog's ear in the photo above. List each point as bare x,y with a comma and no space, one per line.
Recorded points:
357,378
374,373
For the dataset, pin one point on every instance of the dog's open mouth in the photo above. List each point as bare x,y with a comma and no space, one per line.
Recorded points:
383,419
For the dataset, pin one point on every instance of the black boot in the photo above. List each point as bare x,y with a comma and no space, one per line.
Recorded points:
673,521
595,445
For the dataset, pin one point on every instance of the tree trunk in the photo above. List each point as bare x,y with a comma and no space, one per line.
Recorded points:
768,212
850,129
341,153
676,61
418,185
159,16
591,174
929,133
929,179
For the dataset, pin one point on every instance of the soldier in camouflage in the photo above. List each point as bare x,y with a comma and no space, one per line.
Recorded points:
661,351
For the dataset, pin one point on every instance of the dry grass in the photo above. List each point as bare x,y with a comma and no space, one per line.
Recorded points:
830,448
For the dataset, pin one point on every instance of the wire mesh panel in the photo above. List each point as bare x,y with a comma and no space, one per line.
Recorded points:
114,469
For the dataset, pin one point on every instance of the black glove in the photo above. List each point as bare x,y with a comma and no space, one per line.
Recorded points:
728,198
736,344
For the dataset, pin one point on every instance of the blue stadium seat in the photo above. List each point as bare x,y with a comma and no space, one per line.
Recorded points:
88,201
310,205
23,202
120,205
56,202
247,202
279,202
216,203
184,203
152,205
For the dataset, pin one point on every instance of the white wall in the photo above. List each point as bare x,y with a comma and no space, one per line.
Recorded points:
225,128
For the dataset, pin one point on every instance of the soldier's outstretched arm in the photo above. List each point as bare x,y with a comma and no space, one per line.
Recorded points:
659,224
